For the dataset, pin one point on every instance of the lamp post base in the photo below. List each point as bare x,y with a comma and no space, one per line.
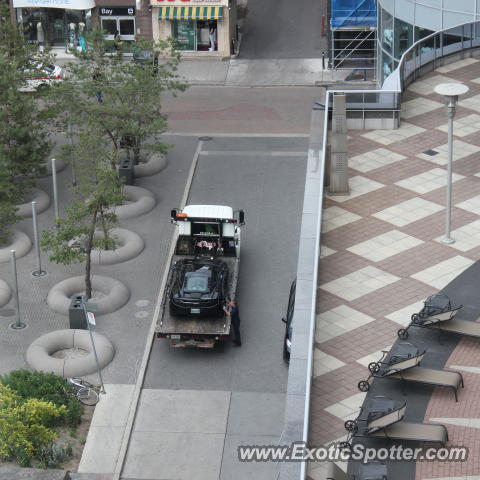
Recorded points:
448,240
39,273
18,326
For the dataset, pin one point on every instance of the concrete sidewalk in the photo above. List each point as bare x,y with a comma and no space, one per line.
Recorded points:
236,72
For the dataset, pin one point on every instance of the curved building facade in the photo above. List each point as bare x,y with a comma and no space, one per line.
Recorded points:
401,23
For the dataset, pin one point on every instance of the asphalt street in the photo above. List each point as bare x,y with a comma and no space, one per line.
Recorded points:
283,29
264,176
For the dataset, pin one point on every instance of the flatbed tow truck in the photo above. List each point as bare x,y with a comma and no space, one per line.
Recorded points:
204,232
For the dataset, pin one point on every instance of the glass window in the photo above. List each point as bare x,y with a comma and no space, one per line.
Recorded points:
403,37
109,25
184,34
127,28
387,31
196,283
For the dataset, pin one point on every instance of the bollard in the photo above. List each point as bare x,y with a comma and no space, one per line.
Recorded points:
38,272
18,325
55,192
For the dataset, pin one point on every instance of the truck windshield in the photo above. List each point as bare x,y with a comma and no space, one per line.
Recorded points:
205,229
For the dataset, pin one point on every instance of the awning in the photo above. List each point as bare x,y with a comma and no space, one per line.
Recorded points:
190,13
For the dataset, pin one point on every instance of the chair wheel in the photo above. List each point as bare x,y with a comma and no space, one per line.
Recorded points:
351,426
363,386
374,367
402,334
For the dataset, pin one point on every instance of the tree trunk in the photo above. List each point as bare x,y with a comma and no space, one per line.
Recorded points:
136,151
105,231
88,262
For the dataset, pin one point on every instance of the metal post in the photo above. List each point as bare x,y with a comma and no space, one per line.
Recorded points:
323,60
451,92
38,272
72,159
93,345
448,214
55,192
18,325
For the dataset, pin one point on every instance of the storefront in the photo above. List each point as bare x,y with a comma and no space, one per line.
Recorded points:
132,19
118,19
199,27
55,23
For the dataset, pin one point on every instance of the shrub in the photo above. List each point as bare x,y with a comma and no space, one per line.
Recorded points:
47,387
22,434
54,455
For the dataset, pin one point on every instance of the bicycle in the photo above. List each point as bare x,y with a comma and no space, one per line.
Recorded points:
84,391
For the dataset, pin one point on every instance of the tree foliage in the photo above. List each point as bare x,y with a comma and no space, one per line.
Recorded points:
98,191
120,98
24,142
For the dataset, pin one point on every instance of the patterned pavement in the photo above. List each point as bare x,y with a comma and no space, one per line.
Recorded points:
382,256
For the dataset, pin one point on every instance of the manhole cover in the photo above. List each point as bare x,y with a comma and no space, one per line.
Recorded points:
7,312
205,139
430,152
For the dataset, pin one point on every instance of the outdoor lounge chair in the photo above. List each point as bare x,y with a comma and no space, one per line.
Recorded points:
437,312
382,418
402,363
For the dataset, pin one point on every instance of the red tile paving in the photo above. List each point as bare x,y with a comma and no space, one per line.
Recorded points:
341,383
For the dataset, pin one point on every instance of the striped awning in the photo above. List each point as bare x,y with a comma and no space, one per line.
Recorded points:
190,13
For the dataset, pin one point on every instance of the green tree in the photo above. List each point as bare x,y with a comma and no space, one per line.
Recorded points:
119,98
24,142
98,191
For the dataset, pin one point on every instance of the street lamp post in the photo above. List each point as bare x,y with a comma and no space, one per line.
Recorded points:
451,92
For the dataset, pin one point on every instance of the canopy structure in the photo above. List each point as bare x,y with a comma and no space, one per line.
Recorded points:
190,13
354,13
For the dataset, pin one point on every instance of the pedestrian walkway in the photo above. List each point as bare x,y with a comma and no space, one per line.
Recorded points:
249,73
382,256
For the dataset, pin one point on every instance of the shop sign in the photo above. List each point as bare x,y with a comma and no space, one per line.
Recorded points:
67,4
117,11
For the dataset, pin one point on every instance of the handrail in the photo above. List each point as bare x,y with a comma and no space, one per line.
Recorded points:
396,80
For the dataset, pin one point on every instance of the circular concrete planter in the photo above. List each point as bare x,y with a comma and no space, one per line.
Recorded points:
20,243
139,201
42,199
129,245
153,165
108,294
5,293
39,353
59,163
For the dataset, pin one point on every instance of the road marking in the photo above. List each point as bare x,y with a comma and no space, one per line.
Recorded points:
253,153
240,135
151,333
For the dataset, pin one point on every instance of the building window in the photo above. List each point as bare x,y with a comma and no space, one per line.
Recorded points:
195,35
403,37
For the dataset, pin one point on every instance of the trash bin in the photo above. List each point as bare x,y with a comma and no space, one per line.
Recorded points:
76,313
126,171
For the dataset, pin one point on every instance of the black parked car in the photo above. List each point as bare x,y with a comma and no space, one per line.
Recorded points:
287,343
199,287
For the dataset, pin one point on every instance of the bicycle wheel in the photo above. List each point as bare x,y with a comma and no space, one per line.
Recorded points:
87,396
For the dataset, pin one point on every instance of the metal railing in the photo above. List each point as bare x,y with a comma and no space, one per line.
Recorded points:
423,56
430,52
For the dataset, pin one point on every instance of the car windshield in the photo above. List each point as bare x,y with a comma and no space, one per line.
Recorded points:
196,283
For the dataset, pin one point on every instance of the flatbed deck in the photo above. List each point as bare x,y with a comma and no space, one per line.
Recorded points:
205,327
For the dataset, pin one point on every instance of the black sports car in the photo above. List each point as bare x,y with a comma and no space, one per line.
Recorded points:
199,287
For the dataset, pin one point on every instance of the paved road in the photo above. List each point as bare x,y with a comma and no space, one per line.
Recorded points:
198,406
283,29
238,110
